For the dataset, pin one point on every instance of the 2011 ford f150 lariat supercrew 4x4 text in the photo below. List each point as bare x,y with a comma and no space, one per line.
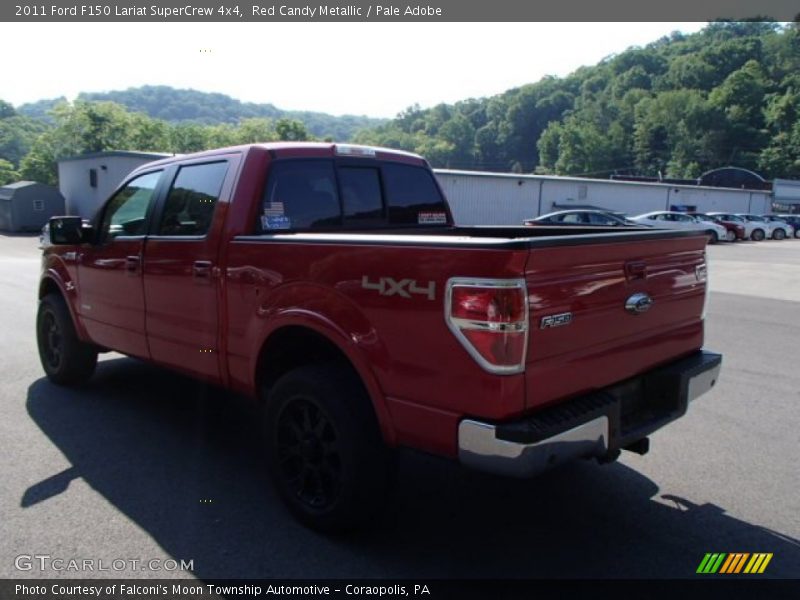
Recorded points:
329,283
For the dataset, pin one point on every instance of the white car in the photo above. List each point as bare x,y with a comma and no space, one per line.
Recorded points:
664,219
774,232
753,230
779,224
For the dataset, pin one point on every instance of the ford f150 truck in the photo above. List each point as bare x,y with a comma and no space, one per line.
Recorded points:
329,283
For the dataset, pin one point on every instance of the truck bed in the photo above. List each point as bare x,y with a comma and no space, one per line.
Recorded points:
405,337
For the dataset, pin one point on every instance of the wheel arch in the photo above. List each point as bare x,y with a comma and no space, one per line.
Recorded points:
52,283
293,345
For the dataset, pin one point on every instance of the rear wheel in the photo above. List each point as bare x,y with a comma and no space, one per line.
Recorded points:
757,235
65,358
778,234
325,453
730,235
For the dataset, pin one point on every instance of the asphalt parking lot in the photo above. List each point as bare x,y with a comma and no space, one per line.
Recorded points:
144,464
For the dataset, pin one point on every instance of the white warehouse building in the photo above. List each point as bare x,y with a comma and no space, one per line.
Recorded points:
473,196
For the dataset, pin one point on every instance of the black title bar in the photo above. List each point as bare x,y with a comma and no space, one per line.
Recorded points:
426,10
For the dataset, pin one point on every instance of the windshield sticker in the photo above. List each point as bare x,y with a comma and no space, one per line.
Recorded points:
432,218
276,222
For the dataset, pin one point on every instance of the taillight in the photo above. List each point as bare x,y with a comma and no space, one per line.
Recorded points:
701,274
490,319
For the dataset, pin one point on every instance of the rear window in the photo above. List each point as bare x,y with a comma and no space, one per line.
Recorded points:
318,194
412,196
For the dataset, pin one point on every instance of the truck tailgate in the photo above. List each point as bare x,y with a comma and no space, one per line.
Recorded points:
583,338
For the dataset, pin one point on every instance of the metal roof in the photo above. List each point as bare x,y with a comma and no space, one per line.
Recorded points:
122,153
19,184
585,180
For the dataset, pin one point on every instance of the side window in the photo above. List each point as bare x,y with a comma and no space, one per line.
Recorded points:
190,203
361,194
126,212
598,219
300,194
572,218
412,196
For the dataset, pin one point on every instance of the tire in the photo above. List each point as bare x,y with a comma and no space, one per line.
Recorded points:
713,238
757,235
325,453
66,360
730,235
778,234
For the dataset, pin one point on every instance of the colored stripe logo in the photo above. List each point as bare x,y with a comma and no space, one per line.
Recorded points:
734,562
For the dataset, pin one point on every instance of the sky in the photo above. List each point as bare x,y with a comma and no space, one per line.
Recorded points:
374,69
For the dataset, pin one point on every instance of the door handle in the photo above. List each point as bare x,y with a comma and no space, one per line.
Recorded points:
202,268
635,270
132,263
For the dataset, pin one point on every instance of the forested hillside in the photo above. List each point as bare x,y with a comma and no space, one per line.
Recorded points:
177,106
729,94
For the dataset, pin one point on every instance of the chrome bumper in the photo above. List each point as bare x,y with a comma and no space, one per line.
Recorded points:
592,426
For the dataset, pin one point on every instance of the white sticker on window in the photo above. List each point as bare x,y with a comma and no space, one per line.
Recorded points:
432,218
273,208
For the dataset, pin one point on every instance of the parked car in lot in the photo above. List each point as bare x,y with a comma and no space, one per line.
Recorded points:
779,223
664,219
583,217
753,230
771,230
329,283
794,221
734,231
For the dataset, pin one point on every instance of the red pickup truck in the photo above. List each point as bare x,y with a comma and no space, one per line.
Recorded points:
329,283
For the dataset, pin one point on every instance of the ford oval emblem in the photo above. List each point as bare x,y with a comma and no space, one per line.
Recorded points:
638,303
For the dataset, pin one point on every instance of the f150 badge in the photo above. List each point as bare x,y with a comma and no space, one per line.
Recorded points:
558,320
388,286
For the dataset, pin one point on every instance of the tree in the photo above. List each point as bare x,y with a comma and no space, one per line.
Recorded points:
7,172
252,131
291,130
6,110
188,137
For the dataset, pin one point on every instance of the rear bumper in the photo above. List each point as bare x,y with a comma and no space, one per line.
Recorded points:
597,425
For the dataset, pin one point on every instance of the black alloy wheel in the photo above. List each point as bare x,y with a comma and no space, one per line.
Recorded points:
308,453
66,359
51,341
325,451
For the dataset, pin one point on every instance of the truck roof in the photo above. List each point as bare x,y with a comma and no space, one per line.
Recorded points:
303,150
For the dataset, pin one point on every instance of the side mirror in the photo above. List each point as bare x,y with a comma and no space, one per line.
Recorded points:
69,231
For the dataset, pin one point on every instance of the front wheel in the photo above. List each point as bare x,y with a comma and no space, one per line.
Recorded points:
757,235
713,238
65,358
326,456
730,236
778,234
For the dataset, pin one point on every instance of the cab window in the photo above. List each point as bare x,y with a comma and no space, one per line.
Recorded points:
126,213
190,203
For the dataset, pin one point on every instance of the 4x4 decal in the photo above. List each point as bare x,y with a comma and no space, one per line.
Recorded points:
388,286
